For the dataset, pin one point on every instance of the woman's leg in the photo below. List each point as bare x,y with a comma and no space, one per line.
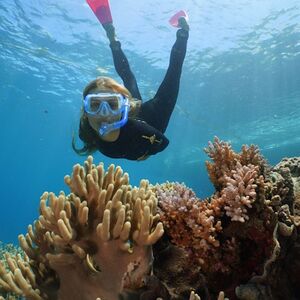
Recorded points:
121,63
157,111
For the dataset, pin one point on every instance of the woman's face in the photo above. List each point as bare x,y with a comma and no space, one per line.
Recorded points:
97,120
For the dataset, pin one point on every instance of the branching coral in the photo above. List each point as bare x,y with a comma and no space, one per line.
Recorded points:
217,232
189,222
198,226
224,160
7,250
239,193
195,225
95,242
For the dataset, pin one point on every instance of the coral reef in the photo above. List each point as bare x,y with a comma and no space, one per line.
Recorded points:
108,240
239,240
7,250
94,242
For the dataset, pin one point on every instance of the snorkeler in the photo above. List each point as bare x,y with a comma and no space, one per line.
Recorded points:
114,119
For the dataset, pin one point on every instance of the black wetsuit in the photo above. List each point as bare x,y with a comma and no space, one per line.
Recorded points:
143,135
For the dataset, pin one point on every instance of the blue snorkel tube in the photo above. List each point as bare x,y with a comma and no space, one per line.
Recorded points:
108,127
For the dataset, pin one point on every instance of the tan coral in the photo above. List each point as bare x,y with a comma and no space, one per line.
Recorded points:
96,241
19,279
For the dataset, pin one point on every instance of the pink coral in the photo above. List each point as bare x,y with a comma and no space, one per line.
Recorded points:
190,222
239,193
224,160
200,226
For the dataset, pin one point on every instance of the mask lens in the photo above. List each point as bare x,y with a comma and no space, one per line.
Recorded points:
113,102
104,103
95,104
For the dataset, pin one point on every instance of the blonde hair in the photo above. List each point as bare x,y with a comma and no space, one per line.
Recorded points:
107,83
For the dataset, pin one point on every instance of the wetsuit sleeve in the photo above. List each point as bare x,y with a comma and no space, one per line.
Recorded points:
123,69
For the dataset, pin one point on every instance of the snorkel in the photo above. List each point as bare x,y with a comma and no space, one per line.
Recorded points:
106,128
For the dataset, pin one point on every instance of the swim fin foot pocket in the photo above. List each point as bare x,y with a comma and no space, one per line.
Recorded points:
182,23
180,20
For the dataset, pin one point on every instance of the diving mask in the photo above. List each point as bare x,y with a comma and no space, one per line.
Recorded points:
107,105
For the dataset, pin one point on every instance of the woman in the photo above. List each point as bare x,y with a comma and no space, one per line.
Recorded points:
114,119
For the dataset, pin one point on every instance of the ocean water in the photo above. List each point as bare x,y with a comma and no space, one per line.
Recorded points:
240,82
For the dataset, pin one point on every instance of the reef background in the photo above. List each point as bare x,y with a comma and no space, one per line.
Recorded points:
109,240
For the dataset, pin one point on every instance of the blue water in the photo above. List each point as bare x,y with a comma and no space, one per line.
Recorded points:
240,81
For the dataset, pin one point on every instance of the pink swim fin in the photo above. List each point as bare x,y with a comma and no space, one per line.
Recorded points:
174,20
101,9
